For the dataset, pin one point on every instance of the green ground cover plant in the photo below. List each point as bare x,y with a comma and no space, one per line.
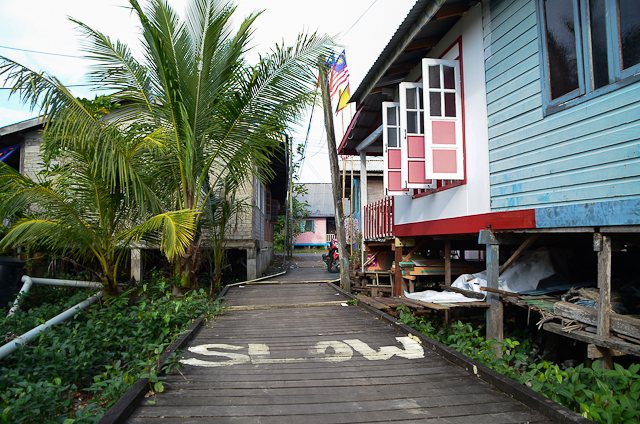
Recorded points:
603,396
75,371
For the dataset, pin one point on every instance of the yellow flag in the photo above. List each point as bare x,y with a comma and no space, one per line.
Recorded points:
345,96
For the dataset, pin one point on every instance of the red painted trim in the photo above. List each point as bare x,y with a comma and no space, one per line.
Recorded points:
509,220
346,134
443,188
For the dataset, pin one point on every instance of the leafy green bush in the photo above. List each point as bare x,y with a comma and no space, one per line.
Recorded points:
604,396
96,356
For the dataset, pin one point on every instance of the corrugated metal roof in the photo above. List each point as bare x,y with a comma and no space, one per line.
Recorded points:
320,198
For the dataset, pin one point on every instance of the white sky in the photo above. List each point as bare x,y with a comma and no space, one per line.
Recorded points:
42,25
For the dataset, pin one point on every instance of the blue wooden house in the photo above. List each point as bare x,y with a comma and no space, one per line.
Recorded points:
506,125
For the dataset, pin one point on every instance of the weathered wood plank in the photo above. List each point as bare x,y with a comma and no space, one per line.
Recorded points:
489,413
583,336
619,323
313,409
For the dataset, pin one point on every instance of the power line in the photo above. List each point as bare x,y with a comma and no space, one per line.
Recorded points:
35,51
358,20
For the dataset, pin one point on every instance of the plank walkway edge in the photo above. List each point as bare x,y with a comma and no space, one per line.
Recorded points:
519,392
122,409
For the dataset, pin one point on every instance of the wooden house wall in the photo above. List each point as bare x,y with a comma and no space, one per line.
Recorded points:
584,154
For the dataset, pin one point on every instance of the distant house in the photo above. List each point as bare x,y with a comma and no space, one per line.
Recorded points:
26,137
249,237
319,227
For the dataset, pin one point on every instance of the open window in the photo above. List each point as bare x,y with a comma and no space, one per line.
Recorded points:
443,137
412,125
392,155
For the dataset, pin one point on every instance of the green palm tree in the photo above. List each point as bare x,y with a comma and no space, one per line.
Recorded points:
218,118
213,120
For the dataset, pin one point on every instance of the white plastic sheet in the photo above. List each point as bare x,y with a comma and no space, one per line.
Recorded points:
523,275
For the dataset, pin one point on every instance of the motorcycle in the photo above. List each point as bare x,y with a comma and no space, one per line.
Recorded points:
332,258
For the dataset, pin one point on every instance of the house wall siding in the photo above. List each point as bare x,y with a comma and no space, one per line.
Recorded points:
585,153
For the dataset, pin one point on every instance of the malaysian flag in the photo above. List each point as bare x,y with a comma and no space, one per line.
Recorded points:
338,74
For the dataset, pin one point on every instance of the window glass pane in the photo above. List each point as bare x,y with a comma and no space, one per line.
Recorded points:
450,104
412,122
391,116
434,103
629,15
421,98
561,47
392,134
411,98
449,77
599,59
434,76
421,118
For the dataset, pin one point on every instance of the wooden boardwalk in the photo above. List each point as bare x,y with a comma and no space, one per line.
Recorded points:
318,364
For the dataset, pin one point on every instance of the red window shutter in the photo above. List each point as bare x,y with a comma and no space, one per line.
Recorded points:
443,120
392,153
412,132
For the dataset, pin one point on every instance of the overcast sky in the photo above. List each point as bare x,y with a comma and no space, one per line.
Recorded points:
42,25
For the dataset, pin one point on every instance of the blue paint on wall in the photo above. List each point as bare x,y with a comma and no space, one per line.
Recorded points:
597,214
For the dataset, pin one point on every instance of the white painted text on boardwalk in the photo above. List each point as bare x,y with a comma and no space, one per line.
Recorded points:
325,351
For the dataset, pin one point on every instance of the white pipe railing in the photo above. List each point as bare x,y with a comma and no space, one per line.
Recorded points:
29,281
13,345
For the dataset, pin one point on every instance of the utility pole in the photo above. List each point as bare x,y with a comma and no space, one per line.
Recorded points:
345,282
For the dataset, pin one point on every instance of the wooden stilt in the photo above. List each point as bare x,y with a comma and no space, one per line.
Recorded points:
495,317
602,245
397,281
447,263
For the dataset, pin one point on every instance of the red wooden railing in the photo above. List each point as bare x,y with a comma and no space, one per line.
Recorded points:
378,219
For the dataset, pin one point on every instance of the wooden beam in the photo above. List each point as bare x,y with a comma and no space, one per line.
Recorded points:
619,323
447,263
596,352
451,12
467,293
414,250
422,44
523,247
583,336
401,68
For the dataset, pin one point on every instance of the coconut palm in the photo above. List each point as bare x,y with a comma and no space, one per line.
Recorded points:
218,118
212,120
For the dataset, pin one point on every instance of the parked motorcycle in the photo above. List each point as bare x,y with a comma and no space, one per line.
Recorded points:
332,259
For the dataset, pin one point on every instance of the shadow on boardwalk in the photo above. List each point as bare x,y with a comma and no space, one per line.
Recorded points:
271,359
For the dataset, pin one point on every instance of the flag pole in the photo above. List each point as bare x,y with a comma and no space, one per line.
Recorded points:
345,282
